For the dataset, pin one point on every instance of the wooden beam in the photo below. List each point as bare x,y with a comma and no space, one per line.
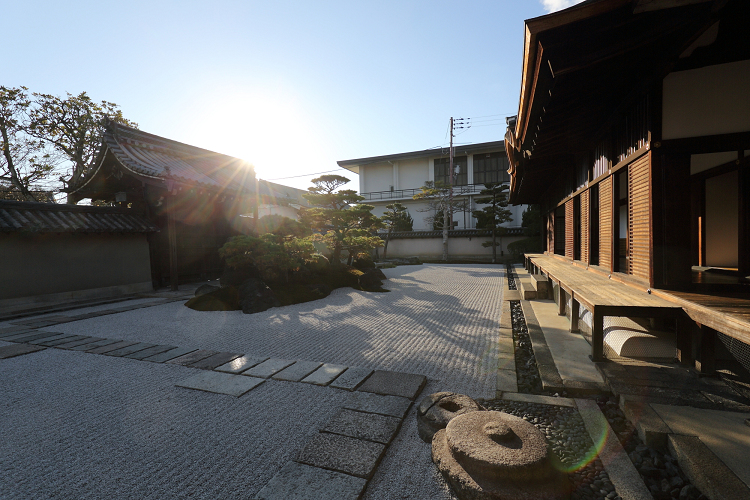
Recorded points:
172,234
743,250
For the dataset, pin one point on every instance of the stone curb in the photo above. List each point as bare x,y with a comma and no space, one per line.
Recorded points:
705,470
621,471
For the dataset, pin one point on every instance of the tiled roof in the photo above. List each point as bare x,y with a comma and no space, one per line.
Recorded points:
160,158
53,218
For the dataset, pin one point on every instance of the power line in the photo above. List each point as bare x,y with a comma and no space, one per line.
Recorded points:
304,175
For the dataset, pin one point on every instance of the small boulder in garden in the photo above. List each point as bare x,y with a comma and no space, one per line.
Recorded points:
255,296
371,279
204,289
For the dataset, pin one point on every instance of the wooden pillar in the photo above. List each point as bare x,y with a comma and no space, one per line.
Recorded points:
575,312
172,234
670,216
562,301
597,335
706,365
743,250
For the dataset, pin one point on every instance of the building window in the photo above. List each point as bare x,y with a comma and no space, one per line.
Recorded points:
442,171
490,167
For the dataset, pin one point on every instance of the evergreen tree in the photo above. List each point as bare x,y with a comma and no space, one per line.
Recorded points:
494,195
396,218
342,222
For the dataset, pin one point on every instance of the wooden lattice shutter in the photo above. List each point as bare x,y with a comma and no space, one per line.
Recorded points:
569,229
605,223
585,226
639,218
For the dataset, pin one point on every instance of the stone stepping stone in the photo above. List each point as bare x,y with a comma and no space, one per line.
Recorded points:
14,330
239,365
111,347
297,371
356,457
351,378
29,336
297,481
11,351
55,341
167,355
192,357
221,383
268,368
80,342
324,375
57,336
215,360
369,426
124,351
151,351
91,345
393,406
406,385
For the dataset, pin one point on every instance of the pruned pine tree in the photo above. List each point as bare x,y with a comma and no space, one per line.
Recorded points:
494,214
342,222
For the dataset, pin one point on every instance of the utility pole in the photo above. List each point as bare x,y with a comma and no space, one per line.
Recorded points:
448,208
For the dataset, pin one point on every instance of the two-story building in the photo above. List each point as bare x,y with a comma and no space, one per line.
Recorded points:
398,177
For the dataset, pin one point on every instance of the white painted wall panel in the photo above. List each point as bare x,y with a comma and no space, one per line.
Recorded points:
706,101
722,211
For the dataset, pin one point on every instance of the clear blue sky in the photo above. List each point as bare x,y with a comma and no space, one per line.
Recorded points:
291,86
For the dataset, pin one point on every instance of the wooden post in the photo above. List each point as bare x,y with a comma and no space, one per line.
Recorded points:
575,311
686,332
597,335
707,363
172,234
743,250
562,301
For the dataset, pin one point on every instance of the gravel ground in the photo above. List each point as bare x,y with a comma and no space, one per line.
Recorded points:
78,425
440,321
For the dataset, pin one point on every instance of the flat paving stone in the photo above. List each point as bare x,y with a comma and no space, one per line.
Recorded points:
325,374
93,345
241,364
406,385
351,378
124,351
297,481
297,371
343,454
394,406
14,330
369,426
29,336
111,347
268,368
54,341
192,357
78,343
58,336
167,355
215,360
221,383
11,351
151,351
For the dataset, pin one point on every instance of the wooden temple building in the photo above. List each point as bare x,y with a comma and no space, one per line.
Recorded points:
633,134
194,196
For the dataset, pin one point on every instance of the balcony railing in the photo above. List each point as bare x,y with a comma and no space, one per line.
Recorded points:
408,193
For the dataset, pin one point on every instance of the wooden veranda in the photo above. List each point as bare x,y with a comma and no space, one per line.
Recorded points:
698,317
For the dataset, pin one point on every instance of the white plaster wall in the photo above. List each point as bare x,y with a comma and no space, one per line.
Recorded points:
412,174
378,177
699,163
707,101
722,211
276,210
458,248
